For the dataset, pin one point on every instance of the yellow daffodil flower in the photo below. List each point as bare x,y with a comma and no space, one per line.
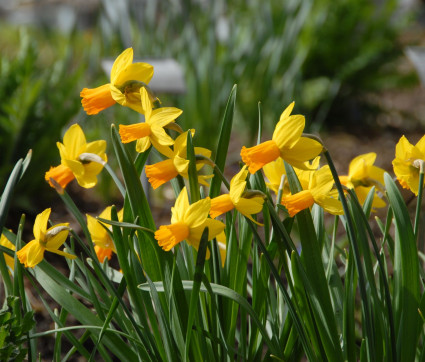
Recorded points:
286,142
188,223
235,200
104,246
79,159
4,241
276,169
152,130
362,176
319,191
176,164
406,164
45,240
126,80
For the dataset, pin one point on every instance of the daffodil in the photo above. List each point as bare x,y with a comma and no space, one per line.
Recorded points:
362,176
408,159
235,199
176,164
286,142
275,170
104,245
152,130
320,191
44,240
79,159
4,241
188,223
126,80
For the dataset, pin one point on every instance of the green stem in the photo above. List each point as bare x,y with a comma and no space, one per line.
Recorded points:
419,200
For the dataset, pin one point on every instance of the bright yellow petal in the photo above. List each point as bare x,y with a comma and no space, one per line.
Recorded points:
122,61
160,137
287,112
403,148
31,254
420,145
141,72
181,165
40,225
146,104
127,99
74,141
359,166
248,207
238,184
288,131
274,172
215,227
305,149
164,116
143,144
57,240
62,253
180,206
196,213
407,175
97,148
330,204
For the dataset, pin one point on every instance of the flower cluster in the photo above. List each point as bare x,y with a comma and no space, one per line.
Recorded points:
288,149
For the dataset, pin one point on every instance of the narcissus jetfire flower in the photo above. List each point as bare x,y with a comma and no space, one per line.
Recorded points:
104,246
176,164
4,241
45,240
79,159
286,142
152,130
320,191
406,164
235,199
362,176
126,80
276,169
188,223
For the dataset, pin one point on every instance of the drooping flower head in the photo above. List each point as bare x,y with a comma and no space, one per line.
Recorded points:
4,241
44,240
104,245
362,176
406,164
235,199
188,223
286,142
176,164
320,191
79,159
275,170
126,80
152,130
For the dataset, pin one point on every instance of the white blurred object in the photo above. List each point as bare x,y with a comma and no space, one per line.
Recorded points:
417,56
167,77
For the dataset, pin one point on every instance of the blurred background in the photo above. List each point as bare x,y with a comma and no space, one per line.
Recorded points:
343,62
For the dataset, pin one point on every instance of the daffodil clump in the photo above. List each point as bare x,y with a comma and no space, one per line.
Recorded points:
242,267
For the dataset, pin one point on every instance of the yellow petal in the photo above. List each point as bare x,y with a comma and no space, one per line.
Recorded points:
181,165
97,148
180,206
196,213
57,240
40,225
141,72
143,144
160,137
164,116
146,103
62,253
330,204
31,254
305,149
127,99
74,141
122,61
215,227
238,184
287,112
274,171
420,145
288,131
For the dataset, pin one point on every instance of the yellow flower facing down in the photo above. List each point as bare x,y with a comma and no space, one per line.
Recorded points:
176,164
79,159
44,240
4,241
188,223
104,245
126,80
407,162
276,169
362,176
319,191
152,130
235,200
286,142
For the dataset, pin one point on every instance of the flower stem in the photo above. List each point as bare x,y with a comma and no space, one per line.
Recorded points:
419,200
